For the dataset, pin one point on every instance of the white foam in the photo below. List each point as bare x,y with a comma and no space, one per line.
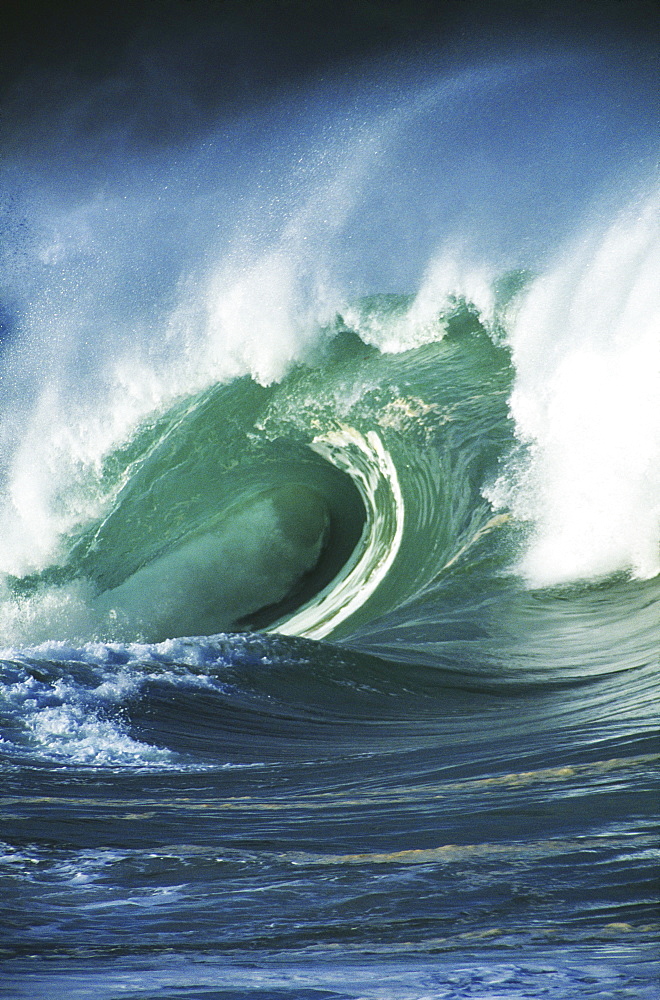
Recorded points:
259,319
63,610
586,403
67,721
449,280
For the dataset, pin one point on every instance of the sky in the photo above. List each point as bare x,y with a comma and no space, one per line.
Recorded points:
217,56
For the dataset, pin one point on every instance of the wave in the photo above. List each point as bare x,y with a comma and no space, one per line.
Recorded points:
466,432
355,499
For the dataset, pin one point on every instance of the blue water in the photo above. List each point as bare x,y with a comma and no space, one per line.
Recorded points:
330,518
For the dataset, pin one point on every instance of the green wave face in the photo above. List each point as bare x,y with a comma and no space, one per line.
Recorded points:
313,505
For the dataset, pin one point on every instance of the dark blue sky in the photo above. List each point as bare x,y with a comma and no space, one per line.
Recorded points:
220,55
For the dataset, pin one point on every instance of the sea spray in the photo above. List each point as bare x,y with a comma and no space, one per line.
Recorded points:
586,349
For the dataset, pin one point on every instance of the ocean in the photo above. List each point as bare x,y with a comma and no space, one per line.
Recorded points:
330,519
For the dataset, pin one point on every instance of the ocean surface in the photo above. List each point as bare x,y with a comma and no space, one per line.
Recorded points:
330,563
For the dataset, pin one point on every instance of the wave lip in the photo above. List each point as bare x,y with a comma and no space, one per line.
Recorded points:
373,471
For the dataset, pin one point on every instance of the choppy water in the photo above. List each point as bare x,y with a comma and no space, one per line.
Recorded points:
331,547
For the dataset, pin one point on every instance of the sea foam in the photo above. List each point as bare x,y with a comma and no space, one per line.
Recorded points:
586,404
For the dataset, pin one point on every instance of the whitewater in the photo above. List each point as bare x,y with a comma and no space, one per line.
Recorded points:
330,520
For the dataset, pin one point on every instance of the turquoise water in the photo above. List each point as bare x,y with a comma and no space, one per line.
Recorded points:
329,605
